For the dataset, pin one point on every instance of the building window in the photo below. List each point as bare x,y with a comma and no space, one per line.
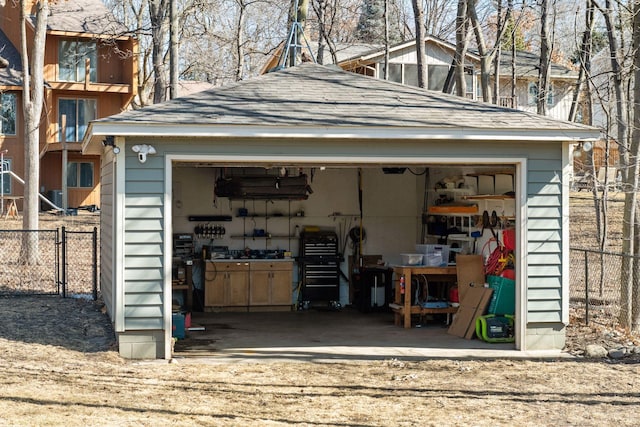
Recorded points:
437,76
8,114
74,116
395,73
5,177
410,75
72,56
80,175
532,92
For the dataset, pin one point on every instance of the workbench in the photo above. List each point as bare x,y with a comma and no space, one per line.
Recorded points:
403,309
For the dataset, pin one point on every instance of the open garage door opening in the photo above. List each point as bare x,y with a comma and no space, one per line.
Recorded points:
391,246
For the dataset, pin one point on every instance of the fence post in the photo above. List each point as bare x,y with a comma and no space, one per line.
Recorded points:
95,263
64,262
586,289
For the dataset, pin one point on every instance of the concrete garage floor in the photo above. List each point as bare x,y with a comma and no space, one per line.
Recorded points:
327,335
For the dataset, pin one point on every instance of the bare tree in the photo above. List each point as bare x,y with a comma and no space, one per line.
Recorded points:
545,59
440,17
462,31
418,14
617,75
630,291
242,8
173,50
158,13
486,54
32,101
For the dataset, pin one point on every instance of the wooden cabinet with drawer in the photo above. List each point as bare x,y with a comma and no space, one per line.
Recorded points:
251,285
226,284
270,283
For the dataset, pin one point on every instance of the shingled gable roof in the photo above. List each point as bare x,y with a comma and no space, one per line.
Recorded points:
11,75
312,100
83,17
527,63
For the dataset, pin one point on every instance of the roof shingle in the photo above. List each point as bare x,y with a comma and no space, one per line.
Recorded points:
83,16
315,95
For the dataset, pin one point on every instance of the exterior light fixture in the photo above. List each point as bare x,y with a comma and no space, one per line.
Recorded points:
110,141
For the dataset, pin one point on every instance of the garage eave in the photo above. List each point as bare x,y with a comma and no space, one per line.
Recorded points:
98,130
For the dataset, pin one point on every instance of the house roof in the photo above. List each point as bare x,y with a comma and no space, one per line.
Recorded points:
12,74
527,63
83,17
312,100
344,51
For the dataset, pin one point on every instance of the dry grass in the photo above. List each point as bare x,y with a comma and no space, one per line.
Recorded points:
59,367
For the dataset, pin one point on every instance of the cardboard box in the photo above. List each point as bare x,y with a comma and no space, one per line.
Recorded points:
469,269
473,305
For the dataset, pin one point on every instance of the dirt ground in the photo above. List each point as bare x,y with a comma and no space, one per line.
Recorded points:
59,366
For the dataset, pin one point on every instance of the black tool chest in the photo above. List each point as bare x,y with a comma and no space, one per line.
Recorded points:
319,263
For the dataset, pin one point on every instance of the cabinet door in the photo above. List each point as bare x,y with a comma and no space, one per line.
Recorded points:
214,284
259,290
281,281
237,288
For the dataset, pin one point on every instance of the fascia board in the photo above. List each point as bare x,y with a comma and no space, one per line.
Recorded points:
99,129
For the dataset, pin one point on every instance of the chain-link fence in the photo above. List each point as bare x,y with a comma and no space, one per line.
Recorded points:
79,266
65,262
595,285
39,277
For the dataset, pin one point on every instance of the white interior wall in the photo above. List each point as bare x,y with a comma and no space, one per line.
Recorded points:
392,207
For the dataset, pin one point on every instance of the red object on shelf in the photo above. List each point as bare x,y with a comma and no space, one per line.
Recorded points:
453,294
509,274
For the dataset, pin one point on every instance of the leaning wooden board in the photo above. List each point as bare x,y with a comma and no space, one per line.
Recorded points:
472,305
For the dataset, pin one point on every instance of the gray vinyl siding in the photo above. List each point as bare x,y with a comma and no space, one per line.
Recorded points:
143,243
144,234
106,234
544,231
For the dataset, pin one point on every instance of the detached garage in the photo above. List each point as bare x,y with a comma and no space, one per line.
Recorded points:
240,185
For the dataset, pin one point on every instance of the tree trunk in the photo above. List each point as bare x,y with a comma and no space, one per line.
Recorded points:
545,59
461,48
418,15
320,7
173,50
240,40
386,40
585,60
496,58
616,70
32,101
630,293
324,31
486,55
157,15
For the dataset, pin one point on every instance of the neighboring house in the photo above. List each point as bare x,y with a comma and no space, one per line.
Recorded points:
341,130
369,60
90,71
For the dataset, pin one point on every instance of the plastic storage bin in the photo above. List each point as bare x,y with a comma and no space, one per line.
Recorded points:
411,259
503,299
431,251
